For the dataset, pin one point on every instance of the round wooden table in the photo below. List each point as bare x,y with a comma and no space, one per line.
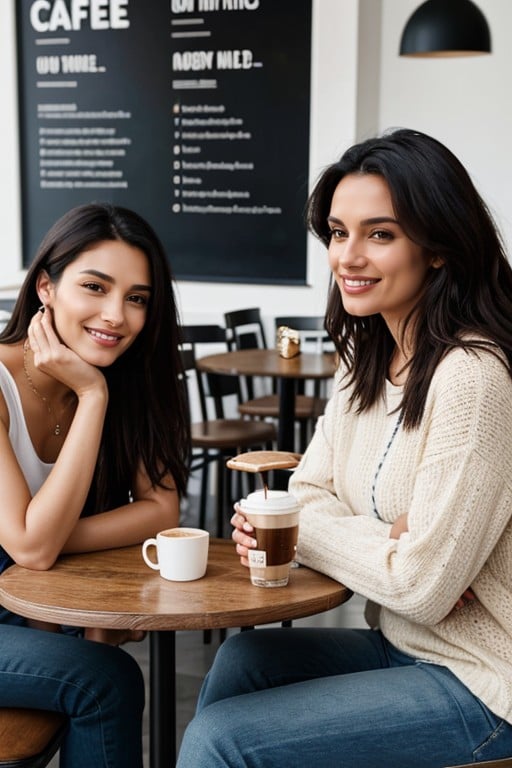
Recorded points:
115,589
268,362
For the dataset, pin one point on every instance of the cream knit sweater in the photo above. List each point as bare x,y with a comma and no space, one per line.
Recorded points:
453,476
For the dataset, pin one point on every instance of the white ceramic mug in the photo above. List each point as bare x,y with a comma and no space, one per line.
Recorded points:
181,553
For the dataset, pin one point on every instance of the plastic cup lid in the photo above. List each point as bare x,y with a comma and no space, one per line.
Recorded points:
281,501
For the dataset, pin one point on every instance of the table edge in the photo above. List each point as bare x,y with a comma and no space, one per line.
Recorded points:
179,621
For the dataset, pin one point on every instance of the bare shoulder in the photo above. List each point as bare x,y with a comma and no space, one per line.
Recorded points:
11,355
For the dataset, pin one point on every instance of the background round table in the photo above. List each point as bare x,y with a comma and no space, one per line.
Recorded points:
287,371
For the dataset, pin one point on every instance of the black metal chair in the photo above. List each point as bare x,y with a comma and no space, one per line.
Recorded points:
215,437
246,331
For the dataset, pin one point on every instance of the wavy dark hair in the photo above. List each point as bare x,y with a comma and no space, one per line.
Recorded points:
146,420
438,208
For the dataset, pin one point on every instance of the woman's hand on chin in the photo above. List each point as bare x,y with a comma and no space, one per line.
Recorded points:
57,360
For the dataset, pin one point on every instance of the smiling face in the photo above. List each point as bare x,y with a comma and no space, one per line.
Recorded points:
377,268
100,302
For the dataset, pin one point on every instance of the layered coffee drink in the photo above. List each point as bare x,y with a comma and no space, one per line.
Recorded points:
274,516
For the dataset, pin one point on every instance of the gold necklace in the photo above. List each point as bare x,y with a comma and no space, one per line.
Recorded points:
56,429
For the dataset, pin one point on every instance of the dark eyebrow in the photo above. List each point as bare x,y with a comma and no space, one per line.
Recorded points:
365,222
109,279
380,220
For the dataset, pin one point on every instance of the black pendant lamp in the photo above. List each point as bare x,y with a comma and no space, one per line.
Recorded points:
446,28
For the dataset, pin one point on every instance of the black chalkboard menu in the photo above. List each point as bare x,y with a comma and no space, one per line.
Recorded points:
195,113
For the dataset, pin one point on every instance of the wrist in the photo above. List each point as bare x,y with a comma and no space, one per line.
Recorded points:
97,394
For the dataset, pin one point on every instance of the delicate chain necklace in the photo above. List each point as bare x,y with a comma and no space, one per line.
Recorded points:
56,429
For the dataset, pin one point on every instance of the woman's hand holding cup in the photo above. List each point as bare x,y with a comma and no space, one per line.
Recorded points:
242,535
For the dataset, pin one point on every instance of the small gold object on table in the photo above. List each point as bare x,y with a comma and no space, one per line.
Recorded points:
288,342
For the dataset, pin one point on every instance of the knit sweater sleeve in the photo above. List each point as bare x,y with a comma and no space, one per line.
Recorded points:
313,483
459,505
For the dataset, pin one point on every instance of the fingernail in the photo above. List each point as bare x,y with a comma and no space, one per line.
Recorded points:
247,527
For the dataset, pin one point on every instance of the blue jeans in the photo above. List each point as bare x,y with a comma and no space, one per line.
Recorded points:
335,698
99,687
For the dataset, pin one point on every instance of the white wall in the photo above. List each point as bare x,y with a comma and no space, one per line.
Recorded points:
359,85
10,225
463,102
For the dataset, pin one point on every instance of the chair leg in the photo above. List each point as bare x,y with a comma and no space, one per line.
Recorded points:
207,637
221,481
303,435
204,491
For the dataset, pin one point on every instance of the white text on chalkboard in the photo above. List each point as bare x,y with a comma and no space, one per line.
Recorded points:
203,6
47,16
185,61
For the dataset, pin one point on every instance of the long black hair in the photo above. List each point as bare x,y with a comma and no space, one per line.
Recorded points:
438,208
146,421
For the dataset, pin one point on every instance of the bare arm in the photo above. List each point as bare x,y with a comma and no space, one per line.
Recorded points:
152,510
33,530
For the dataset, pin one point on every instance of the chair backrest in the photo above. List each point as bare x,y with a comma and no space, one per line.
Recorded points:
207,385
203,334
190,372
246,329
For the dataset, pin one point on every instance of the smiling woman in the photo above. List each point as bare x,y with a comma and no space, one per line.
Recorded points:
93,453
404,492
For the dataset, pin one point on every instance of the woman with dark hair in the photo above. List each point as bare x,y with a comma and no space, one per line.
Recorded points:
405,492
93,454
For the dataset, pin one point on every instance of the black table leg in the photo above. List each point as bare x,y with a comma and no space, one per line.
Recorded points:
162,702
286,426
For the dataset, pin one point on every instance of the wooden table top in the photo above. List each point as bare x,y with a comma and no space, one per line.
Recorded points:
268,362
116,589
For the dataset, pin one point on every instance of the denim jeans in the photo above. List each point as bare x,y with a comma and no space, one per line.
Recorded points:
326,698
99,687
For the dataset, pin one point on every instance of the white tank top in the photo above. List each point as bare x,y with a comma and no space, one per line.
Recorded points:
35,470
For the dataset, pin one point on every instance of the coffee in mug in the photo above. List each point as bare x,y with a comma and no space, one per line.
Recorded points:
181,553
274,516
